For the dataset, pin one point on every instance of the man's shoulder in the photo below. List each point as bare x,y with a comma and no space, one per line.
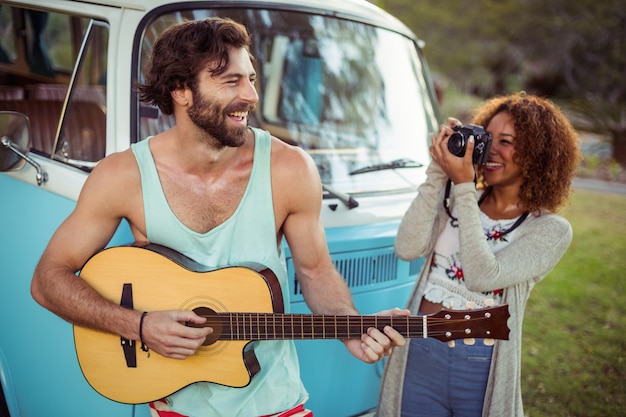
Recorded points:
114,186
287,156
119,164
258,132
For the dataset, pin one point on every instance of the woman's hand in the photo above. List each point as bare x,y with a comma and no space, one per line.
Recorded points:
459,169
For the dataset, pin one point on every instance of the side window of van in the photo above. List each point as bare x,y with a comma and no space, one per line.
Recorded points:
53,70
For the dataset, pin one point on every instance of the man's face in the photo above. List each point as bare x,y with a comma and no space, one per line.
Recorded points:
221,104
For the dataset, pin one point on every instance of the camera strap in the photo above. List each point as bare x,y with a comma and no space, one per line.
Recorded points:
446,206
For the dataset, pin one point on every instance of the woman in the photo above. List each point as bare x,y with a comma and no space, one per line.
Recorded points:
494,240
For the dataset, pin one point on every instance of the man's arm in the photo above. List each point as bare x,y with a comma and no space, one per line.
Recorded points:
86,231
110,193
323,288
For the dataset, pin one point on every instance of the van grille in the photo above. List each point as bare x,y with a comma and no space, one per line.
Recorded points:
368,270
415,266
363,271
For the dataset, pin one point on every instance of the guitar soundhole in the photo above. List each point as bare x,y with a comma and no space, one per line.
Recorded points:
212,321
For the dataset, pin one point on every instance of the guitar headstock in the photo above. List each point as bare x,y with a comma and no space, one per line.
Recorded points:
489,322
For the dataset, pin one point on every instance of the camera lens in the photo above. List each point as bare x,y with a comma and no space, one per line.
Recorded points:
457,144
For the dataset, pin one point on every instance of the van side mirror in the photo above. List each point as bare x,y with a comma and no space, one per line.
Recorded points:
15,144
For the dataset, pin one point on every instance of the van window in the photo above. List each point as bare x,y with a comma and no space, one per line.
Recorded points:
7,42
83,138
351,94
53,70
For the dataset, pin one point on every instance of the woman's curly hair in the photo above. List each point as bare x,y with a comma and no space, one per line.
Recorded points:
184,50
546,148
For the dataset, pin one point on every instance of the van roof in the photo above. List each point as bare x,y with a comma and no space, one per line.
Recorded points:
360,10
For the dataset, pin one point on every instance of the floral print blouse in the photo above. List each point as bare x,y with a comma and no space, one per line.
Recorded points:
446,282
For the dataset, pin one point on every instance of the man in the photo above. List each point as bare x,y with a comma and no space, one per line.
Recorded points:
205,189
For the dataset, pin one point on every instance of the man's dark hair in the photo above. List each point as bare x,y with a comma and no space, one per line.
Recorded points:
183,51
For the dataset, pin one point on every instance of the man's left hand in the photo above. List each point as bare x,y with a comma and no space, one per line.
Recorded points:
375,345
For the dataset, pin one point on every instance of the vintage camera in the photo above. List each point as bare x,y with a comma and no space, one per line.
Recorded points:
457,143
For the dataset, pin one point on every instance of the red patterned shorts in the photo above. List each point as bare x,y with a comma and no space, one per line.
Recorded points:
161,409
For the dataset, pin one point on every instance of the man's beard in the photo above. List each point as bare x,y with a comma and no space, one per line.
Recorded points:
210,117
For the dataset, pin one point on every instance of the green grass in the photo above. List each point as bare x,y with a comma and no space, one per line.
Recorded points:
574,340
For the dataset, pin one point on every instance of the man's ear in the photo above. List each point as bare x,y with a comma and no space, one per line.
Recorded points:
181,95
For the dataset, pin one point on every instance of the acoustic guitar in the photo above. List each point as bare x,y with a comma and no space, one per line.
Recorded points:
242,304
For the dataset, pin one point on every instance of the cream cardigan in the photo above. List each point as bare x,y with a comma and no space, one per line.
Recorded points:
539,244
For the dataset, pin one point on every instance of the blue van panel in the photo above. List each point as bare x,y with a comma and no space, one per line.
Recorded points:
378,280
364,255
37,346
326,365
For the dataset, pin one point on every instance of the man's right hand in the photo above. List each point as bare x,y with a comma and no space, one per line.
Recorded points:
165,332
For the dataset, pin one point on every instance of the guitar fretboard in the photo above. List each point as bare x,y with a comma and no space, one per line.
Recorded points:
270,326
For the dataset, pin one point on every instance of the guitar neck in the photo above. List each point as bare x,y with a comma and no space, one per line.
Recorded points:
444,325
269,326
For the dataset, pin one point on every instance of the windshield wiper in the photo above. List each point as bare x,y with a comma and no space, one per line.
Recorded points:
346,199
398,163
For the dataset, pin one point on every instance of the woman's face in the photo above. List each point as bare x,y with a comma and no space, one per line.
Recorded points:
500,169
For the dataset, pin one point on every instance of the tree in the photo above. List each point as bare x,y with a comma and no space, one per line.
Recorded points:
585,51
573,51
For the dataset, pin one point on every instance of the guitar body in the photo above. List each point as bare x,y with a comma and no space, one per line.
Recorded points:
162,283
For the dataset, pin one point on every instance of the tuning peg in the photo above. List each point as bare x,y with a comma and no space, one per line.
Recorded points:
489,342
488,302
470,341
451,343
470,305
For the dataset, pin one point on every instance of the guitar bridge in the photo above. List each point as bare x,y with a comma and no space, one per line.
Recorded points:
129,347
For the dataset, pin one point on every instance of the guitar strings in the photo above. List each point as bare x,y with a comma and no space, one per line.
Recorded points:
271,326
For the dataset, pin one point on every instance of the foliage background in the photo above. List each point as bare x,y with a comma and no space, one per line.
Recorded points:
572,51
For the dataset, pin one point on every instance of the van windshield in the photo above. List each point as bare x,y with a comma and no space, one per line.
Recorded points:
353,95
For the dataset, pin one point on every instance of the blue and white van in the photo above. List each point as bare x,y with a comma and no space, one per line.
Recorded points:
342,79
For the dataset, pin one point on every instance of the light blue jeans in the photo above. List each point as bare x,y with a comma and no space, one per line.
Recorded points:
440,381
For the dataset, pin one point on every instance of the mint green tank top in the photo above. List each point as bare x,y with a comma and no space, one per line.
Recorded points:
243,238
